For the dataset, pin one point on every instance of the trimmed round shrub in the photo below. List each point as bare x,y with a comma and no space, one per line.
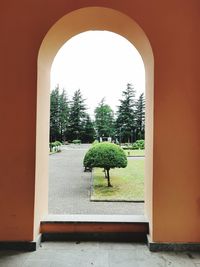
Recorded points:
95,142
105,155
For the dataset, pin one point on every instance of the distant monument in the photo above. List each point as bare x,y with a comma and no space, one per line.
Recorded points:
105,139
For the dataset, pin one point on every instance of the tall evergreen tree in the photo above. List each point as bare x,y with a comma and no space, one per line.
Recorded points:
63,115
140,117
104,120
125,115
59,115
76,116
54,115
88,131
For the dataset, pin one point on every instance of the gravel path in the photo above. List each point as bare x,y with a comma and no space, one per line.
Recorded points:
69,187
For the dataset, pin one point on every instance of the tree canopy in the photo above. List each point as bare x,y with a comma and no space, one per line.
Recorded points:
140,117
125,122
69,120
104,120
105,155
88,132
59,113
76,115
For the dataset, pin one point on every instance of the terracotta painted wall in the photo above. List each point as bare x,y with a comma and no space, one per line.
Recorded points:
172,27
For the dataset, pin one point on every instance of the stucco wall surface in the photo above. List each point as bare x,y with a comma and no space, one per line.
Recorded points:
172,27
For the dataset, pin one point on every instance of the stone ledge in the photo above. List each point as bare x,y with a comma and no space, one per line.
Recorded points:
59,218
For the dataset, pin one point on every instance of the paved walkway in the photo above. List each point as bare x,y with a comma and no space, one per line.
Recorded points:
69,187
96,254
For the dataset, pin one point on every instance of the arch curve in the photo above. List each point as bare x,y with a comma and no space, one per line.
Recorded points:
85,19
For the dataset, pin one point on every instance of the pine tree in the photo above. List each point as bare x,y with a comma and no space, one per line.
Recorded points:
125,115
88,131
140,117
104,120
54,115
76,116
63,115
59,115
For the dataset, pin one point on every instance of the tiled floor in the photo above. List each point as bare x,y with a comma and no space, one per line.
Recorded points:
97,254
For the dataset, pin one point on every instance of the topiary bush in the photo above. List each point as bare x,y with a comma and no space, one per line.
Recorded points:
135,146
140,144
105,155
95,142
55,146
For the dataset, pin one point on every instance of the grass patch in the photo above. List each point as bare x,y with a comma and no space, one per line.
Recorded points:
135,152
128,183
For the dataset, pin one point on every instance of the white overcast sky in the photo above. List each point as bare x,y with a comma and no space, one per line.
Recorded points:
100,64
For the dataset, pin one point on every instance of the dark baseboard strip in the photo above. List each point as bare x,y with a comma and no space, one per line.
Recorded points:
156,246
104,237
21,245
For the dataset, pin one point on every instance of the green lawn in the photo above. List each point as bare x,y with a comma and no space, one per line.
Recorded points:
128,183
136,152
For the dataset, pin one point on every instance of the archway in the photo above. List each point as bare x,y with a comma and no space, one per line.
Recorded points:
91,18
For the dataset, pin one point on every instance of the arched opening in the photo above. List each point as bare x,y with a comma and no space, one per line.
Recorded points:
92,18
100,64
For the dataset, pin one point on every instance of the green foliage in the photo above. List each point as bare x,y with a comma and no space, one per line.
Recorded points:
129,183
88,131
76,141
126,146
130,122
95,142
63,115
140,117
105,155
135,152
140,144
135,146
69,120
125,115
59,113
57,143
54,114
55,146
76,116
104,120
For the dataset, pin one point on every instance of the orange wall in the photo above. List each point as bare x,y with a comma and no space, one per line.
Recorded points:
172,27
177,126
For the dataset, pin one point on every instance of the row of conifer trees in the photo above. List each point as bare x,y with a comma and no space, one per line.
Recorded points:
70,121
